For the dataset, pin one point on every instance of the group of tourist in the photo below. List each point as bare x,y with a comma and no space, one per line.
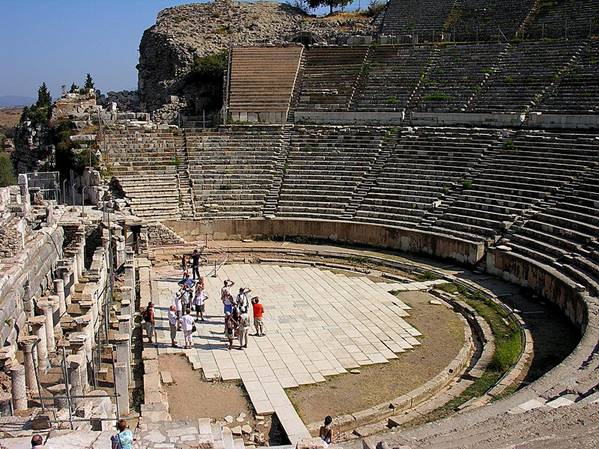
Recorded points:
236,310
192,296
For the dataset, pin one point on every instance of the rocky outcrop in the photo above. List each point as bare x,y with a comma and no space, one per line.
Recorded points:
181,33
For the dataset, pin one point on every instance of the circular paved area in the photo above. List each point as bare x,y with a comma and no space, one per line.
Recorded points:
318,324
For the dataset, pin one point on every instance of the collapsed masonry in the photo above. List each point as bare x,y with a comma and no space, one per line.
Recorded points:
67,303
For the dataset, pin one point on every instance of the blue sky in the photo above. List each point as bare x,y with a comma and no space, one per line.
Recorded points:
59,41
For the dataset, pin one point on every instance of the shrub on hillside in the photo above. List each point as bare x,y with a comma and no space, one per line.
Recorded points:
7,174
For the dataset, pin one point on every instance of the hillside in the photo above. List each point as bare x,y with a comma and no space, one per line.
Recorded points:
168,48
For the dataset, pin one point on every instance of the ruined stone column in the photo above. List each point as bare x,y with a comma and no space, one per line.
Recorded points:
59,290
47,308
55,301
125,329
81,258
85,326
59,392
77,343
122,344
26,344
128,298
66,278
74,363
121,387
38,327
24,192
121,254
18,380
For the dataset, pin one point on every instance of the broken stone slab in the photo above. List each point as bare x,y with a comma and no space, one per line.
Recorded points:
236,430
435,302
166,377
310,443
229,419
246,429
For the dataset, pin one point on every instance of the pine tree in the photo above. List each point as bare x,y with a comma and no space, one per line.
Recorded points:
89,82
44,99
74,88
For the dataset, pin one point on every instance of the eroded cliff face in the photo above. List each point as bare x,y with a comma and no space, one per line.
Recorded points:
181,33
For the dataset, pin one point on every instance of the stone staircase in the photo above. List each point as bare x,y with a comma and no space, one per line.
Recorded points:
372,175
272,198
261,83
186,200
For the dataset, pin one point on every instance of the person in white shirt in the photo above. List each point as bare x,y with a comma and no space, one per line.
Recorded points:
244,330
173,324
188,325
179,307
199,302
226,297
242,300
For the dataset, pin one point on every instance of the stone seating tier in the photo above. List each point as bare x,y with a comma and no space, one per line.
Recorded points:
422,17
527,69
578,90
391,76
565,18
329,77
473,20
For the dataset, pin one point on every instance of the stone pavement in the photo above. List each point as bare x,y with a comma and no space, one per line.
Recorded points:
318,324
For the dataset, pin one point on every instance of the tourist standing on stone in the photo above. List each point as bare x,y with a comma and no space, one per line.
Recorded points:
37,442
242,300
196,258
188,325
173,323
184,263
187,297
244,330
230,327
150,321
124,438
326,431
179,306
199,301
226,297
258,311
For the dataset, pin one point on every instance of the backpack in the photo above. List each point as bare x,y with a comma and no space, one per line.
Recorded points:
147,315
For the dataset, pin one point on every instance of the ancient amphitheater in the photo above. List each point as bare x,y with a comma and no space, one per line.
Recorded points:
411,202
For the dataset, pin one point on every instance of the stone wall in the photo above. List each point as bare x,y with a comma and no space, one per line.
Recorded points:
26,275
543,280
402,239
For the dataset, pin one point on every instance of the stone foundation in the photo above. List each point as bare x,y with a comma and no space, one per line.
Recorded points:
402,239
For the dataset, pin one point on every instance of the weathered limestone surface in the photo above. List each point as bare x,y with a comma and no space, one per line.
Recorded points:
168,48
410,240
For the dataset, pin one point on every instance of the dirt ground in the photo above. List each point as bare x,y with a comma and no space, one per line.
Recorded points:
9,117
190,397
443,337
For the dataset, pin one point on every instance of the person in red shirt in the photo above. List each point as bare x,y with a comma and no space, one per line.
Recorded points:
258,310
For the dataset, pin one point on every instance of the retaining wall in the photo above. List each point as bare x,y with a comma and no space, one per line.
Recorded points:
389,237
543,280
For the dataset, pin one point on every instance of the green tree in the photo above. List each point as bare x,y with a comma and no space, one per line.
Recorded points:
89,82
44,99
74,88
7,174
330,3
